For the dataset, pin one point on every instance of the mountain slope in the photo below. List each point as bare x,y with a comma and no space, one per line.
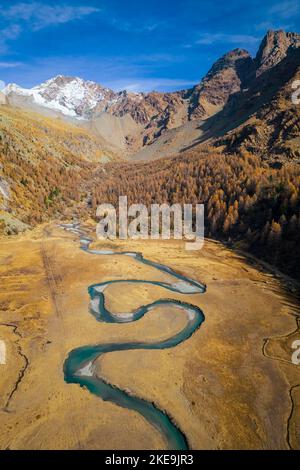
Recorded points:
226,77
44,166
257,116
30,131
266,121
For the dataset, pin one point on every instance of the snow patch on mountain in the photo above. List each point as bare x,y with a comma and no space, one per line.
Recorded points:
71,96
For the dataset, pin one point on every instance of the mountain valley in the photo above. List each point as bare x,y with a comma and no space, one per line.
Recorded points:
140,343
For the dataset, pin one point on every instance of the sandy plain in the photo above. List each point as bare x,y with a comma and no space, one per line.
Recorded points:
230,386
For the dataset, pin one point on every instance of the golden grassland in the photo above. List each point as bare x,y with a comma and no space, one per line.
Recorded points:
231,385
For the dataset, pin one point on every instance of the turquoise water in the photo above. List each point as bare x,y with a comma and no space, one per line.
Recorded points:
78,367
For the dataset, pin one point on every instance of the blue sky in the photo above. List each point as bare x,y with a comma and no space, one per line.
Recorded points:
137,45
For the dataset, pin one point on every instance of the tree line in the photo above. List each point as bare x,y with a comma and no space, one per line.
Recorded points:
247,203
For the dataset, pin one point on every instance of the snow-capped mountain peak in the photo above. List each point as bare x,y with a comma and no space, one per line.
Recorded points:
71,96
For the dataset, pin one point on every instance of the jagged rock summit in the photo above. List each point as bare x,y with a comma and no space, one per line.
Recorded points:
274,48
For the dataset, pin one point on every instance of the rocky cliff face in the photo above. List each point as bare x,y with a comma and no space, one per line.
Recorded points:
226,77
274,48
264,119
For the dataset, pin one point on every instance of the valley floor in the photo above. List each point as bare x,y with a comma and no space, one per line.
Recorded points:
230,386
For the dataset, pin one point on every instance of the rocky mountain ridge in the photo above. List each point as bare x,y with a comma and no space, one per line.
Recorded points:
231,85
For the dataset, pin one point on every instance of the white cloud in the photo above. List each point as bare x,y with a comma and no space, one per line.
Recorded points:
35,16
40,15
2,85
267,25
147,85
10,65
214,38
8,33
277,14
286,9
133,26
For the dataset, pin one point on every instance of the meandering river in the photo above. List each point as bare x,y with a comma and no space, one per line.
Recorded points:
79,365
